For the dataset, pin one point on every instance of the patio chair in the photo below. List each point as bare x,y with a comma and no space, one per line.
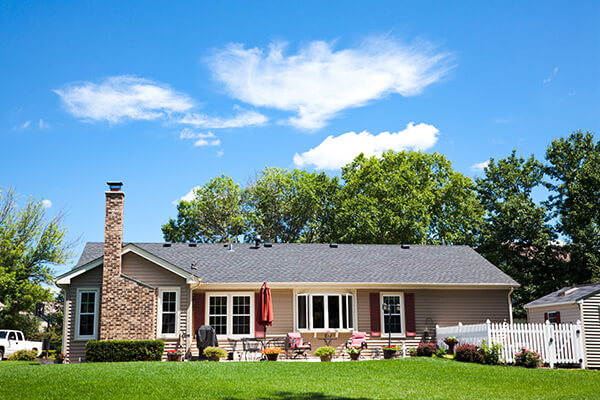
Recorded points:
251,345
358,340
296,345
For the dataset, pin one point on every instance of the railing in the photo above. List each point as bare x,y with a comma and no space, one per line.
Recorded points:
556,343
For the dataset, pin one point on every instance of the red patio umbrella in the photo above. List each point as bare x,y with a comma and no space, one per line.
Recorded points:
266,307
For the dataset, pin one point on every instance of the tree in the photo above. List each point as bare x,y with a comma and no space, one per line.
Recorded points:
406,197
291,206
516,235
30,244
214,215
575,186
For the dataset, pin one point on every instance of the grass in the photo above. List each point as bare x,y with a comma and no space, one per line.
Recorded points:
414,378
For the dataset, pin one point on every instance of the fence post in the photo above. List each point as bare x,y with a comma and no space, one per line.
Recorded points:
579,344
489,332
550,343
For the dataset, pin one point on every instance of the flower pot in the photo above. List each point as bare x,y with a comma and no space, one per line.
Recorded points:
451,346
389,354
354,356
272,357
174,357
326,358
214,358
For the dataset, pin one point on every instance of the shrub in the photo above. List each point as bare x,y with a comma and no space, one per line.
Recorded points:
468,353
491,354
325,351
124,350
441,353
214,353
412,352
23,355
528,358
426,349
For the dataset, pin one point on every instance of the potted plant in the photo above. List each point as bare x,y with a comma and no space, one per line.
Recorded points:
272,353
354,352
214,353
59,358
389,352
451,342
173,355
325,352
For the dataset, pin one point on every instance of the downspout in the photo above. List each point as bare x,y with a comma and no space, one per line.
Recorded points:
510,310
190,325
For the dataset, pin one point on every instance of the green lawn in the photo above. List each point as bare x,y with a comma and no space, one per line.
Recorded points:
414,378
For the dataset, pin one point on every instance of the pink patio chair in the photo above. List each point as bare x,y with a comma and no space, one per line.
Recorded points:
295,344
358,340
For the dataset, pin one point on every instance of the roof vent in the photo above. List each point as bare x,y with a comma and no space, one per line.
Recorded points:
405,246
194,265
192,244
166,244
333,245
566,292
268,244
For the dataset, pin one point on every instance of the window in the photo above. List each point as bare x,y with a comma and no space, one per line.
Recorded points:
168,311
554,317
87,314
231,314
20,336
12,336
324,311
393,321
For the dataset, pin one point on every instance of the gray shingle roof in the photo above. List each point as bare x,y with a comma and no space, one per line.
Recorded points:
360,263
582,291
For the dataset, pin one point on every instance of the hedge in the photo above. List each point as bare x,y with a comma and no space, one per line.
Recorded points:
124,350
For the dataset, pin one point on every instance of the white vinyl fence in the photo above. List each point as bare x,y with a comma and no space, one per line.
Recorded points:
557,343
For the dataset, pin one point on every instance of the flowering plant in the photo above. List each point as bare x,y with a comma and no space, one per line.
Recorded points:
390,348
353,350
174,352
272,350
450,339
528,358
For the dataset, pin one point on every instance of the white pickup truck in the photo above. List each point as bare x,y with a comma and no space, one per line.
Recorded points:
13,341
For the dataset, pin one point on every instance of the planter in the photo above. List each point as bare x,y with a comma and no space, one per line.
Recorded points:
354,356
451,346
272,357
326,358
389,354
174,357
214,358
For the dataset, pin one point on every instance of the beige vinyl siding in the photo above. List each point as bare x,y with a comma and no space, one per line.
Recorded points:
145,271
75,349
591,329
569,313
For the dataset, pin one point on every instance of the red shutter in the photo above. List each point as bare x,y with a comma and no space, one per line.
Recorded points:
259,329
198,306
557,317
375,314
545,316
409,314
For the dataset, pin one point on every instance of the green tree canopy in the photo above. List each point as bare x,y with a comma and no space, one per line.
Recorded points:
406,197
30,243
214,215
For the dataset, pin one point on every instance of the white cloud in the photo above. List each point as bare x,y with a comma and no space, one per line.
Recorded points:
335,152
43,125
220,153
201,139
554,73
187,197
318,82
122,98
46,203
480,166
245,118
25,125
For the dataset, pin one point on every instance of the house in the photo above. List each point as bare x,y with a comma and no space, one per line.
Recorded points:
569,305
123,290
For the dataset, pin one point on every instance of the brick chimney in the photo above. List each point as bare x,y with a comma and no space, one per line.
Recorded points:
113,230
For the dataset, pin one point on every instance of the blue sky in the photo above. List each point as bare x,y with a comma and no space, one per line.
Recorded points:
166,95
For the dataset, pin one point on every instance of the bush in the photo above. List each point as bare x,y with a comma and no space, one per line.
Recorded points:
124,350
441,353
468,353
528,358
426,349
325,351
214,353
23,355
491,354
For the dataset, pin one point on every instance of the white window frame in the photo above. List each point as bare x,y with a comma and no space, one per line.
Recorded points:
94,336
309,309
553,316
384,332
230,296
159,333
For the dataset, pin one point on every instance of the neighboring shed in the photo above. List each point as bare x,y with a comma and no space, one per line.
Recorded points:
568,305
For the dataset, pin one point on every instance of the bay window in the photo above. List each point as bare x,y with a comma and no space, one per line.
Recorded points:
324,311
231,314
